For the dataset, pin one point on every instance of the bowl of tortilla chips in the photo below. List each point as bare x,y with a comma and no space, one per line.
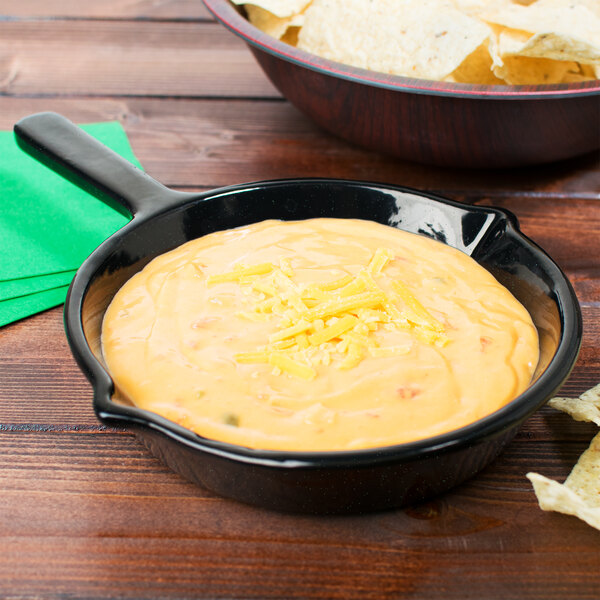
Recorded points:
463,83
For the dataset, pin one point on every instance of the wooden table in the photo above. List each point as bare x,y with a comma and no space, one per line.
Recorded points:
86,512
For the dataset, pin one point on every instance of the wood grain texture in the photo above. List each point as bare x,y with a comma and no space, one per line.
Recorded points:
115,496
207,143
106,9
87,512
126,58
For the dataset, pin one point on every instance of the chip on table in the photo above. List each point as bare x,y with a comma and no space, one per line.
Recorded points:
579,495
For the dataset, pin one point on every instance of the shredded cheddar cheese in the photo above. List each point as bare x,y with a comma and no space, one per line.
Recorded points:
333,331
416,312
288,365
318,323
380,258
288,332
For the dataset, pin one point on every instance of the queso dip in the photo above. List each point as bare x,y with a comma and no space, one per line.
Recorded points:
324,334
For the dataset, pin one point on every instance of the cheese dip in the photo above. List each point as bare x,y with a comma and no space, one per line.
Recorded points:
323,334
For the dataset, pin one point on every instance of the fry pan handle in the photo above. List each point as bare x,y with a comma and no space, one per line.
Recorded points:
76,155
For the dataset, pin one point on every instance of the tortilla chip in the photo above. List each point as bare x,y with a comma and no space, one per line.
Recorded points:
556,29
590,71
427,39
279,8
291,36
591,5
523,70
584,479
476,68
579,495
554,496
475,7
560,47
446,40
584,408
579,76
270,23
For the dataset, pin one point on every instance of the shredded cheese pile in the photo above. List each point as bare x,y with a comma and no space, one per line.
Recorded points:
331,322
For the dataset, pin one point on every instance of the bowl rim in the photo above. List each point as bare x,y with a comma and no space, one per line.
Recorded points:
498,423
227,14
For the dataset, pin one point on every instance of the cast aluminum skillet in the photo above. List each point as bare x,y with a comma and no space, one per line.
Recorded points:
310,482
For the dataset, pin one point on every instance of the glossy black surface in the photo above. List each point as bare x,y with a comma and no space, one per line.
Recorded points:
312,482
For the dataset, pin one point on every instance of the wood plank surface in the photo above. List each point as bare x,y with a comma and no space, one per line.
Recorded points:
115,494
208,143
126,58
106,9
87,512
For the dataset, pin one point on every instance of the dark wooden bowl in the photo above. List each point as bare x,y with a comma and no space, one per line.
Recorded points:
448,124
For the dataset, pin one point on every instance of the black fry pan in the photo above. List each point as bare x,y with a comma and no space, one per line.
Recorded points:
312,482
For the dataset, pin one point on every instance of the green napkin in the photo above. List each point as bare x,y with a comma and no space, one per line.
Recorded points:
25,306
48,225
14,288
